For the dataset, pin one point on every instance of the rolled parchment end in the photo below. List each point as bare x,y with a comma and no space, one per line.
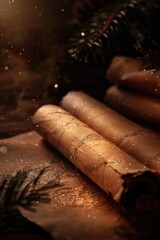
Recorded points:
103,162
128,72
134,105
120,66
142,144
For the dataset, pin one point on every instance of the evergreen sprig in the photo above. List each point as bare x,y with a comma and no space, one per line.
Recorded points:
24,190
118,27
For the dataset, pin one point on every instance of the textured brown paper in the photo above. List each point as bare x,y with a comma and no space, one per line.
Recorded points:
141,143
78,209
134,105
108,166
128,72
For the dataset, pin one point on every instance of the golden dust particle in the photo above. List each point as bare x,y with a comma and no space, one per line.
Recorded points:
83,34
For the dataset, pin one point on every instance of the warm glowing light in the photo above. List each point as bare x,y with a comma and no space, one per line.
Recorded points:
56,85
83,34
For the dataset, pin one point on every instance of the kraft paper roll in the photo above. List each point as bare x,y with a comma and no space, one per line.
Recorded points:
141,143
132,104
129,182
128,72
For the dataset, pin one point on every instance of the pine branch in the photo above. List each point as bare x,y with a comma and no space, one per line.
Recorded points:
23,190
104,34
116,28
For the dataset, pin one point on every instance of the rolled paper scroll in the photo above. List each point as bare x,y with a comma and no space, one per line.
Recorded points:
141,143
120,66
137,106
117,173
76,198
126,71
